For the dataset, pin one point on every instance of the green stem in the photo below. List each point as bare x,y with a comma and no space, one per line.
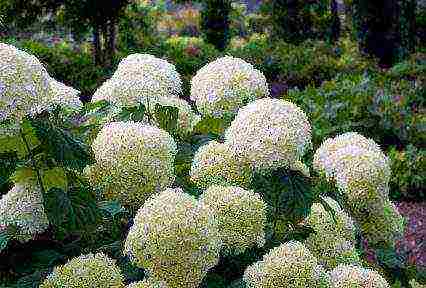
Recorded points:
33,162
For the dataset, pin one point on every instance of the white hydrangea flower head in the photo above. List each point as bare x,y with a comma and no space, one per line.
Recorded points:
223,86
187,119
289,265
147,283
174,239
356,166
334,240
129,92
63,95
24,84
350,276
26,88
214,163
133,160
141,66
325,157
269,133
86,271
23,208
241,216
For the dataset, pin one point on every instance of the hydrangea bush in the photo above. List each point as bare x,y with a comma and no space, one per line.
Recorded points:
175,201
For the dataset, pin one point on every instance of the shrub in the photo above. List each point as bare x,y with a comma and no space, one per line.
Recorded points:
346,276
408,173
189,54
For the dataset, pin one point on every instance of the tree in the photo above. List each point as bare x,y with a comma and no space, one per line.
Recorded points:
101,16
385,28
215,21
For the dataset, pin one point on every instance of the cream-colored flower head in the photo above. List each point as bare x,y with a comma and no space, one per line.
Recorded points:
350,276
325,157
289,265
26,88
63,95
333,242
269,133
223,86
139,66
86,271
241,216
147,283
214,163
174,239
23,208
133,161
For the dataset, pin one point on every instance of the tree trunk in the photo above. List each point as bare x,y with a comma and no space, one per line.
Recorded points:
386,28
335,24
112,40
97,45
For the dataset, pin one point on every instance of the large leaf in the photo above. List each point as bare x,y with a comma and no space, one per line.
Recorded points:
112,208
71,210
62,146
167,117
136,113
211,125
8,165
288,192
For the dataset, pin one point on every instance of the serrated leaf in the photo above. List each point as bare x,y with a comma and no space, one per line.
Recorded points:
62,146
4,239
288,192
113,208
167,117
96,106
54,178
8,165
12,140
136,113
208,124
58,206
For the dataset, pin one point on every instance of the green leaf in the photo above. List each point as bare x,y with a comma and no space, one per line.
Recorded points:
4,239
101,105
288,192
62,146
136,113
8,165
58,206
167,117
215,126
300,233
113,208
328,208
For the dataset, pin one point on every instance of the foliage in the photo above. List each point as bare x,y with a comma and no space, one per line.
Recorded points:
408,173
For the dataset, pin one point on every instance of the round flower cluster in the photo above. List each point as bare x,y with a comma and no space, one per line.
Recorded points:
23,208
223,86
138,66
174,239
214,163
351,157
133,161
289,265
334,240
241,216
140,79
26,88
349,276
147,283
269,133
362,171
86,271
